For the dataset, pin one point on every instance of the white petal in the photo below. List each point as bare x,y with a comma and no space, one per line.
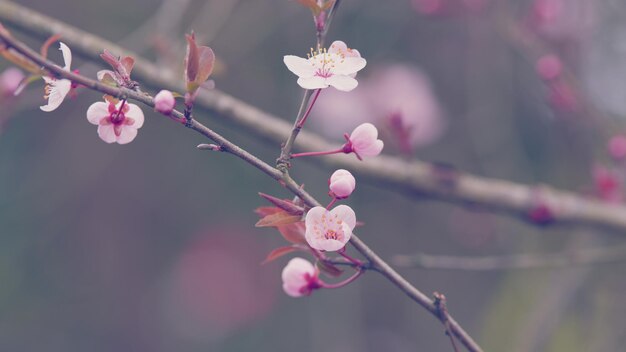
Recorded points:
300,66
346,214
135,113
342,83
106,133
349,65
330,245
127,135
97,111
312,82
58,91
67,55
338,47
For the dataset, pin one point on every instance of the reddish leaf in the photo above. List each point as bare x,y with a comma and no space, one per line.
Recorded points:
192,59
44,47
128,63
277,219
293,233
284,204
279,252
328,268
264,211
206,62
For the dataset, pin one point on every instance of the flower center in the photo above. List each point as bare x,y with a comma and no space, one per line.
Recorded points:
331,235
324,62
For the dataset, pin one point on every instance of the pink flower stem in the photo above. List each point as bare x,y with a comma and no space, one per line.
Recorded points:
308,111
119,111
332,202
344,282
358,263
337,151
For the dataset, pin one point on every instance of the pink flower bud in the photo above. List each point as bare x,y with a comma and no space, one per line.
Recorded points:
300,278
164,102
342,183
617,147
364,141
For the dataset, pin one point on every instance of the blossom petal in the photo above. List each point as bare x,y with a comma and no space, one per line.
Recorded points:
338,47
346,214
127,135
96,112
312,82
58,92
299,66
67,55
373,149
364,132
349,65
107,133
342,83
136,114
330,245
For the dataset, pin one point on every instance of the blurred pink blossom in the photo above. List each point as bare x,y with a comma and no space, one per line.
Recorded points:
562,19
549,67
608,184
448,7
217,286
329,230
341,183
393,95
300,278
617,147
10,80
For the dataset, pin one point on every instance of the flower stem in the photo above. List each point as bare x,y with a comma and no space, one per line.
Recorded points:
332,202
336,151
308,111
344,282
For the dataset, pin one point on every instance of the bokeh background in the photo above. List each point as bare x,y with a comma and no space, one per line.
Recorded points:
151,246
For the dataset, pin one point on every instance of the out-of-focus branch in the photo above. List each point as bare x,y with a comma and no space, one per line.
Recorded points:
415,178
227,146
570,258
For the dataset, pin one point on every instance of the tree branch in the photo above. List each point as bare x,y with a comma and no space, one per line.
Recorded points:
517,261
416,178
283,178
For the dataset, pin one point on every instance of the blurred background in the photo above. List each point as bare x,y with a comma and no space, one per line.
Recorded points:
151,246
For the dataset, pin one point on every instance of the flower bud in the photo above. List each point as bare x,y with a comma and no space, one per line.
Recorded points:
617,147
164,102
342,183
300,278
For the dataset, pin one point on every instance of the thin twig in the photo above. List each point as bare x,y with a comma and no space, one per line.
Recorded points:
415,178
519,261
274,173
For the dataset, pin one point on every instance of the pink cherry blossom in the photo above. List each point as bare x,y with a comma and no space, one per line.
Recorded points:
397,98
364,141
342,183
617,147
336,67
117,123
57,89
300,278
10,80
164,102
608,184
329,230
549,67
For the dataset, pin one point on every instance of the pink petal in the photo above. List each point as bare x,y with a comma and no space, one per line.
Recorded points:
58,92
342,83
136,114
364,132
127,135
346,214
312,82
299,66
97,111
107,133
67,55
372,149
312,215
